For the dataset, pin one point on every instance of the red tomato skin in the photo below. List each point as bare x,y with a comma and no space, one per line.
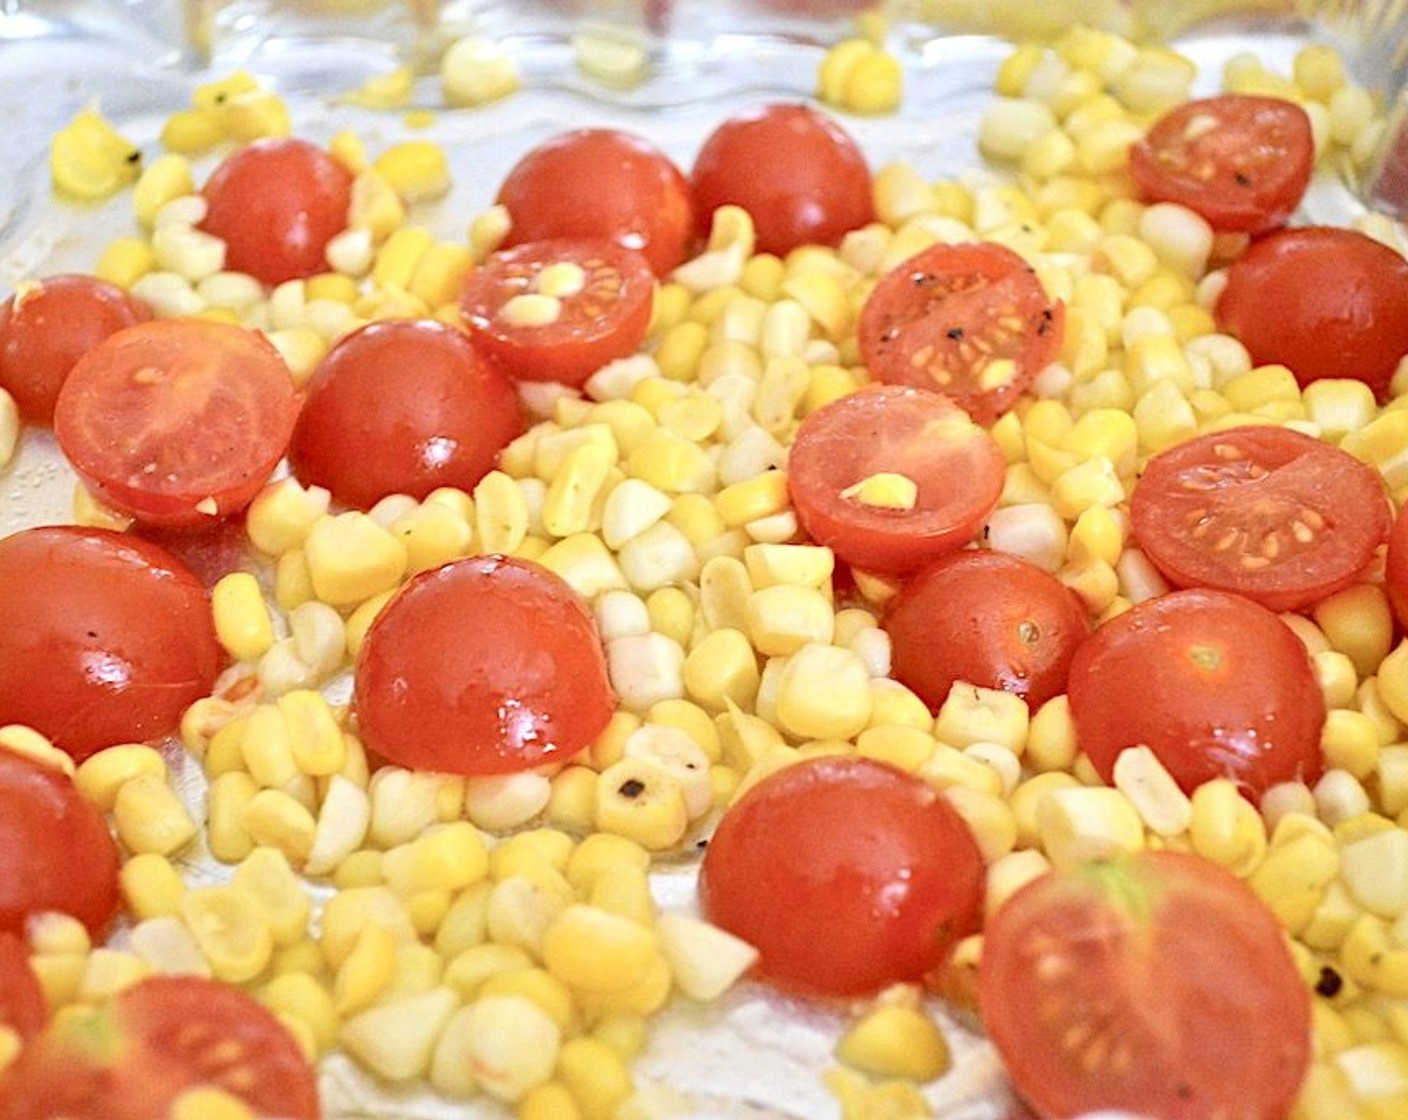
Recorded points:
940,301
276,203
46,328
1354,328
487,665
846,874
149,1044
402,407
795,170
1246,175
1325,512
23,1007
624,189
606,321
1168,962
988,619
1396,569
187,447
56,852
104,638
845,441
1214,684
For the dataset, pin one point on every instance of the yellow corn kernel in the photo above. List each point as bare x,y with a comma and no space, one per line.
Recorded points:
265,875
417,170
721,668
255,114
1165,809
475,70
242,621
970,714
1088,823
1296,871
672,464
452,856
396,1040
282,514
895,1040
1225,828
1350,742
52,931
275,819
351,558
90,160
192,131
366,972
150,817
635,799
151,886
906,748
597,1077
378,209
300,996
1369,957
228,924
167,177
1391,681
760,496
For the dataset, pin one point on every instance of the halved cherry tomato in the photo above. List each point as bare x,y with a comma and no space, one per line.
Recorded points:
46,326
55,854
846,875
1242,162
624,189
1157,984
969,320
276,203
131,1058
1396,568
487,665
795,170
1214,684
104,638
402,407
177,421
957,467
1355,327
23,1007
985,618
1273,514
603,319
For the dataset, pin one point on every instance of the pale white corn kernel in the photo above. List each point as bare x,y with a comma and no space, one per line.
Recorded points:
168,294
236,291
614,55
108,971
1339,796
705,961
1374,869
9,427
167,946
499,802
396,1039
319,636
183,210
1351,110
1139,579
1009,873
1011,125
509,1042
713,268
660,556
344,818
785,329
645,669
351,252
872,645
54,932
187,252
1164,808
391,508
1001,759
1087,822
331,318
1283,799
404,803
620,614
475,70
1181,238
777,528
632,506
616,379
675,753
1141,322
1034,531
752,452
280,669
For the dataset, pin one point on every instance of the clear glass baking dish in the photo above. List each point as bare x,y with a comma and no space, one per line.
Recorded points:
753,1054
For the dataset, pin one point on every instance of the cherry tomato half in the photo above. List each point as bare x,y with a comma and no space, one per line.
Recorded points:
177,421
23,1007
131,1058
1273,514
846,875
487,665
55,854
402,407
600,315
46,326
985,618
276,203
1214,684
795,170
1157,983
1242,162
1396,568
104,638
971,321
1355,327
893,430
624,189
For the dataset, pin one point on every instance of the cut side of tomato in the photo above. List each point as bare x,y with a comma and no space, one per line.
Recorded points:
846,875
892,477
131,1058
178,421
1157,984
1267,512
1214,684
559,310
970,321
1242,162
486,665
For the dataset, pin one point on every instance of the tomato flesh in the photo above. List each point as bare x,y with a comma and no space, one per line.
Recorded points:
1157,983
104,638
1242,162
55,854
177,422
1214,684
845,874
624,189
957,467
985,618
486,665
23,1008
604,320
1275,515
45,327
1353,328
402,407
130,1059
970,321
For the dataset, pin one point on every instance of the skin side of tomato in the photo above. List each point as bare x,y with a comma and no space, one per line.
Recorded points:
1396,569
846,875
402,407
1159,984
104,638
23,1008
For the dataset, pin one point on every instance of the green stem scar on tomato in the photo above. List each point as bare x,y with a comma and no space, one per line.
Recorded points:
487,665
1156,983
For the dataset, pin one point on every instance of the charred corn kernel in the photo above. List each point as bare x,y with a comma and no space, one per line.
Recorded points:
396,1039
597,1077
1084,823
274,819
101,775
228,925
1225,828
90,160
637,800
242,621
149,817
351,558
893,1040
679,758
1164,808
